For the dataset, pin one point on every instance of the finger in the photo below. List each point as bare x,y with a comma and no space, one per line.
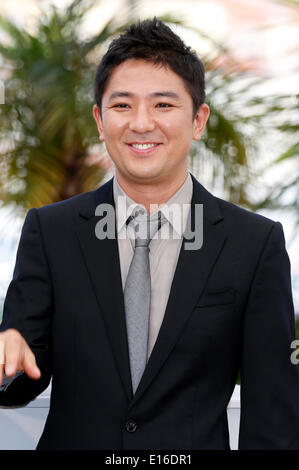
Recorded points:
11,365
14,350
29,364
1,373
2,361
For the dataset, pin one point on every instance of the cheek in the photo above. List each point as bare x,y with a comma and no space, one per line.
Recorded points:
170,125
179,138
177,130
113,127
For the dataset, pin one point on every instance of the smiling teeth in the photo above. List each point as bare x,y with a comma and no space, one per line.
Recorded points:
143,146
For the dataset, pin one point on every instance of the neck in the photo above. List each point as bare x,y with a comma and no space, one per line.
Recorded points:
156,193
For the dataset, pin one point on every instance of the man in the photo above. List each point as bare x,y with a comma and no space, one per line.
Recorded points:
144,338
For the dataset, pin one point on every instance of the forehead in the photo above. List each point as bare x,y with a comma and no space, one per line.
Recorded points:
142,77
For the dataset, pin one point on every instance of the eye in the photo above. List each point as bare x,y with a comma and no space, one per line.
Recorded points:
120,105
164,105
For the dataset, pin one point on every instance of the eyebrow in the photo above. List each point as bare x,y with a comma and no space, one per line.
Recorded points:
155,94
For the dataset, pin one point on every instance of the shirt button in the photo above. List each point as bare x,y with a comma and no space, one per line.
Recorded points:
131,425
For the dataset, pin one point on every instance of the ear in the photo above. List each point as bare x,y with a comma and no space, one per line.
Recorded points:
200,121
97,116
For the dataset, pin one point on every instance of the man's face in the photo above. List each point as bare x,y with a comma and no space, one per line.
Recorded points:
147,123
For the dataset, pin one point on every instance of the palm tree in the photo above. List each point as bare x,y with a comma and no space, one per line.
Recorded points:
48,136
232,154
47,127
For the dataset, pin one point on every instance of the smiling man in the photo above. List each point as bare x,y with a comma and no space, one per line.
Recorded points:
146,118
144,338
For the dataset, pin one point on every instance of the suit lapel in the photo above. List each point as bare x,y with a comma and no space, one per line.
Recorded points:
191,274
102,261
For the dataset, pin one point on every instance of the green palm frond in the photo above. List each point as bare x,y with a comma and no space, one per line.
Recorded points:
47,128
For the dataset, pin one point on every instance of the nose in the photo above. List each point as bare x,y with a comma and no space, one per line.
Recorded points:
141,120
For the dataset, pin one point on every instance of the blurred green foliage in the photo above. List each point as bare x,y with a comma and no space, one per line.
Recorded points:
47,130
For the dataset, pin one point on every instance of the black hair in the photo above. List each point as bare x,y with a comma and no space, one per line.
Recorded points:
153,41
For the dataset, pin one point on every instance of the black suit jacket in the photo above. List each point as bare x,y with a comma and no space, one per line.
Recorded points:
230,308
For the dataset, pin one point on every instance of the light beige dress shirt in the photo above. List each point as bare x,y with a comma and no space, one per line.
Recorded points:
164,247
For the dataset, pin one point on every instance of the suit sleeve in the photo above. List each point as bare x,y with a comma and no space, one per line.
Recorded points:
28,308
269,379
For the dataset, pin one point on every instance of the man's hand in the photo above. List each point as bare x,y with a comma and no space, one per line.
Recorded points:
15,356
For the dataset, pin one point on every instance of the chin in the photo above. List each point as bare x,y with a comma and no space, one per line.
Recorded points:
148,175
144,173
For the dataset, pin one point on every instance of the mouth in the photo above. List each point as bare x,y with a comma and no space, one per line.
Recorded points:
144,148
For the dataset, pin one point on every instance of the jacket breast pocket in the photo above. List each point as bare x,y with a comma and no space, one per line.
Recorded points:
213,316
216,297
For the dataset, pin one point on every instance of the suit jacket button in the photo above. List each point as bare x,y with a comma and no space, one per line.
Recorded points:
131,425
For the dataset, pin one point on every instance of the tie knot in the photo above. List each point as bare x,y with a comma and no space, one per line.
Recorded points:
145,226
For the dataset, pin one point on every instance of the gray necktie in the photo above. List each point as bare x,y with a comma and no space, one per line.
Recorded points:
137,292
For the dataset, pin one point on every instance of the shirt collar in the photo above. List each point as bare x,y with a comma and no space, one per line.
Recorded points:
126,205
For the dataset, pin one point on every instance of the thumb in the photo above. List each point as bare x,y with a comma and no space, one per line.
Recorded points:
30,366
